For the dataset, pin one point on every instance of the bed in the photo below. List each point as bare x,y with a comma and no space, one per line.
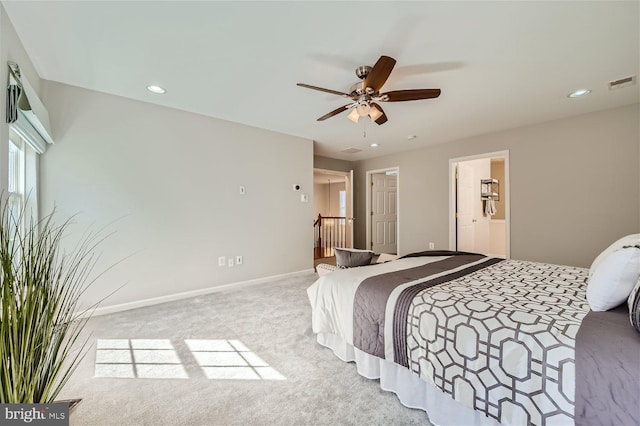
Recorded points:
472,339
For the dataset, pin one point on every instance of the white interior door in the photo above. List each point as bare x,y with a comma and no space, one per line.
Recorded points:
465,216
473,225
384,218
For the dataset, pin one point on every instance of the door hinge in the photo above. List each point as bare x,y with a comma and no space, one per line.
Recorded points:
457,215
371,213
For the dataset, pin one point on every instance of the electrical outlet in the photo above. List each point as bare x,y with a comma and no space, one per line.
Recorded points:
242,190
238,260
230,262
432,246
222,261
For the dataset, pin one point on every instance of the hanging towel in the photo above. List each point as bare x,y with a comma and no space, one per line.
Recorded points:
489,207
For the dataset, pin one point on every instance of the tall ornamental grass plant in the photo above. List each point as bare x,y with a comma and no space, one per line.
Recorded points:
40,345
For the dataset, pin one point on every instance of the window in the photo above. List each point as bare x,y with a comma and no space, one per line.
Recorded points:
343,205
22,185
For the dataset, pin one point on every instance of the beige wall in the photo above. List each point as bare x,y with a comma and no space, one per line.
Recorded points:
327,163
327,198
575,186
167,182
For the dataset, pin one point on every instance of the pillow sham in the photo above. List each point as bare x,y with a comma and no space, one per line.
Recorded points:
629,240
614,278
350,258
634,306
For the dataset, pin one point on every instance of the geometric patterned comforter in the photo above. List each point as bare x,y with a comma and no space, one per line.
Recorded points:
496,335
501,340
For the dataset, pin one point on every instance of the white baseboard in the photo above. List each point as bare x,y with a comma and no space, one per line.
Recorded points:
103,310
501,256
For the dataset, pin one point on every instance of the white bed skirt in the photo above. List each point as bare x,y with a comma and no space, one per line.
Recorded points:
412,391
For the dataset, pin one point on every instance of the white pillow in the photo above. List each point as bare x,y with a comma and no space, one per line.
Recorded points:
385,257
629,240
613,279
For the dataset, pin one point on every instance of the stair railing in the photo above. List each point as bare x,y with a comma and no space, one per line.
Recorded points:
329,232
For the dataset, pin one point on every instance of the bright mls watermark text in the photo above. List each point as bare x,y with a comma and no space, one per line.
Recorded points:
56,414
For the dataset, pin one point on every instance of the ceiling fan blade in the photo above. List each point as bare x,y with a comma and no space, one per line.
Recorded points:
334,112
379,74
335,92
382,118
409,95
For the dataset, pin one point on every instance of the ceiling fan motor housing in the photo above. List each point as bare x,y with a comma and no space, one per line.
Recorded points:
357,89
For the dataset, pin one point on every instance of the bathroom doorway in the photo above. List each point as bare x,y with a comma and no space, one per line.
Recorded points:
479,204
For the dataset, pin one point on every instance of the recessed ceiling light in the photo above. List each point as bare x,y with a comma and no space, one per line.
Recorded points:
374,145
156,89
579,93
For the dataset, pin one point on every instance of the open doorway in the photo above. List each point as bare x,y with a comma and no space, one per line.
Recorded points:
333,211
382,205
479,211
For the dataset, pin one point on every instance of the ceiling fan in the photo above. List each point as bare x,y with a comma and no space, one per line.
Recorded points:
366,93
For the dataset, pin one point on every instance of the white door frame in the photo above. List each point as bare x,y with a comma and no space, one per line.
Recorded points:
507,197
369,182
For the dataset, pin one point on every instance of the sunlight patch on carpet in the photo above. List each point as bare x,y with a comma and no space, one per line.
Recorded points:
141,358
230,359
219,359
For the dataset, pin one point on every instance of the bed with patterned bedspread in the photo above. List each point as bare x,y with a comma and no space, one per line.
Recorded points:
497,336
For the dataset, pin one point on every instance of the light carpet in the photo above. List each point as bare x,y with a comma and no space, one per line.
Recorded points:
273,321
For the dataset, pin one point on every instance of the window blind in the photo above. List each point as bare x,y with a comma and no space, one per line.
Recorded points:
26,112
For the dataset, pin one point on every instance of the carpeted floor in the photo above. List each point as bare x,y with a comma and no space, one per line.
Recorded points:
272,321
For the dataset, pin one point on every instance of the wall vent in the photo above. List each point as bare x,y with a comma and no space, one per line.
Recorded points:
623,82
351,150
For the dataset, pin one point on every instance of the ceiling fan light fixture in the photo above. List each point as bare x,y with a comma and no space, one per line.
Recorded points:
363,109
375,113
353,115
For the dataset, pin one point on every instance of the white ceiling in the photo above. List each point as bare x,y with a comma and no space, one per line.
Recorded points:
499,64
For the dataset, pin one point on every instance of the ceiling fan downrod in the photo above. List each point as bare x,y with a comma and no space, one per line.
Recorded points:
363,71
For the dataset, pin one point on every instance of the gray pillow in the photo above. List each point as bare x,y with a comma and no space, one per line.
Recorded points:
350,258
